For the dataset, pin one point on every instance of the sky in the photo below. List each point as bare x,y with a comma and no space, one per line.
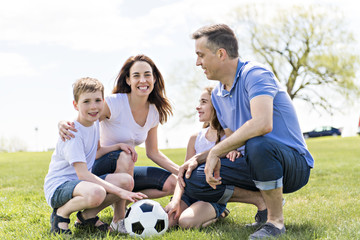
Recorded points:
46,45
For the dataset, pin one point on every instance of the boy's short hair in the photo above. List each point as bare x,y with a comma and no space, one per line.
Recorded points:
87,84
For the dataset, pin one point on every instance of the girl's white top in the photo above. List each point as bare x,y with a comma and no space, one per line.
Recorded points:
202,144
121,126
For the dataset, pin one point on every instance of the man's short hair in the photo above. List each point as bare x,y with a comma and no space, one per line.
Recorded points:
87,84
219,36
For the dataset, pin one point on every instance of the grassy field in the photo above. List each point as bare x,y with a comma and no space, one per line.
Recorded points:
328,207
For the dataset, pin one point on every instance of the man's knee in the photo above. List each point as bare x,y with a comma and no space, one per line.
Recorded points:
257,150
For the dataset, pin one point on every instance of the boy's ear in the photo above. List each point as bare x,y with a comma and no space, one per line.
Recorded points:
75,105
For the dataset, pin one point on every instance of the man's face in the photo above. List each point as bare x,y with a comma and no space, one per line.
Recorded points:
208,60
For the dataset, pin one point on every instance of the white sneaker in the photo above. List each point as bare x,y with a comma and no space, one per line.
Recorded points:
118,226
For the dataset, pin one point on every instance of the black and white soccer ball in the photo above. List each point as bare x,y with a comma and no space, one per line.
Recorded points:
146,218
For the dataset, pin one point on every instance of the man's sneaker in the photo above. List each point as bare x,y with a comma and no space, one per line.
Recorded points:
260,219
268,230
118,226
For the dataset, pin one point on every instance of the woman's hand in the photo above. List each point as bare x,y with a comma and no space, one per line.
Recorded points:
129,150
64,127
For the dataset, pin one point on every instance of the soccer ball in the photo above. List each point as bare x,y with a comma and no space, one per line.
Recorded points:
145,218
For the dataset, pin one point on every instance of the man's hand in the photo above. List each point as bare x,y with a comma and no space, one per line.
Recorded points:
186,169
212,170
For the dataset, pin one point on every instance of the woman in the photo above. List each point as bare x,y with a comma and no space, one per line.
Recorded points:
184,210
131,115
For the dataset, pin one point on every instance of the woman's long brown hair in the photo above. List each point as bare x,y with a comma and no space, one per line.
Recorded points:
157,96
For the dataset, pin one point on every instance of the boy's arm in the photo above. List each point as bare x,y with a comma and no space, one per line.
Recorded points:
83,174
101,151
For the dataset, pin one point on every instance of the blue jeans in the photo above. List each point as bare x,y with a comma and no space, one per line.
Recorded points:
144,177
266,165
281,166
219,208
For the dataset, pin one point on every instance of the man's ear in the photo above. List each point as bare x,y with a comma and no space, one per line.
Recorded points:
221,53
75,105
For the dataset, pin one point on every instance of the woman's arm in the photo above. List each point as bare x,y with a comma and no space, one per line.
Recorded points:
153,153
101,151
66,126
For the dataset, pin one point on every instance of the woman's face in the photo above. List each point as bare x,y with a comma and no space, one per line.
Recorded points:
141,79
205,108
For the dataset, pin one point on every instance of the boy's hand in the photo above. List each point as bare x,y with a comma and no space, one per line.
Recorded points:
130,150
233,155
64,127
131,196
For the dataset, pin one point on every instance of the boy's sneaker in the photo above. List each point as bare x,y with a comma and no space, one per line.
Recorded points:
268,230
118,226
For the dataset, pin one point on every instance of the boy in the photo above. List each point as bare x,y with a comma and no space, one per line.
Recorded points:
69,185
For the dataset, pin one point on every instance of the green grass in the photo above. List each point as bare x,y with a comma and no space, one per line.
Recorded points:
328,207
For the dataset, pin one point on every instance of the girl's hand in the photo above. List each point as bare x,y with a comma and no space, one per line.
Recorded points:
130,150
233,155
173,210
64,127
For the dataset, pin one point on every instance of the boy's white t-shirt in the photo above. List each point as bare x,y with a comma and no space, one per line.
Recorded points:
121,126
82,148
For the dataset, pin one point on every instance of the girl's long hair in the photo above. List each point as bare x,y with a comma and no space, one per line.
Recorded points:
214,122
157,96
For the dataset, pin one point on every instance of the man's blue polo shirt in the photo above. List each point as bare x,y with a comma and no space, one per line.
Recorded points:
233,108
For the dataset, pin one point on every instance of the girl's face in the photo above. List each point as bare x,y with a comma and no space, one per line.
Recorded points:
141,79
205,108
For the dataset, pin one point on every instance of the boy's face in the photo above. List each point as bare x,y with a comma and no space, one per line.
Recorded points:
89,105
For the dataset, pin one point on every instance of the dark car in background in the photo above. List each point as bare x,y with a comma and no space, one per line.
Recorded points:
323,131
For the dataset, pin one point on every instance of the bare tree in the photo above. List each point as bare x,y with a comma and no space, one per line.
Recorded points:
309,49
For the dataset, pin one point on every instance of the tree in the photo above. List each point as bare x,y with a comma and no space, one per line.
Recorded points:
309,49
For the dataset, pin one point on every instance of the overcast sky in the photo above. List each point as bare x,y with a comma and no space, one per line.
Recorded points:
46,45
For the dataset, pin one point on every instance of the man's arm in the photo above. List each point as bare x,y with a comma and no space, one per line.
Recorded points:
261,108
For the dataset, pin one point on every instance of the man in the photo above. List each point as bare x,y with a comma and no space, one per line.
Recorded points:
256,113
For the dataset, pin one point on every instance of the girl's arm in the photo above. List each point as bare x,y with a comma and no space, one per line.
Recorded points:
83,174
174,206
153,153
66,126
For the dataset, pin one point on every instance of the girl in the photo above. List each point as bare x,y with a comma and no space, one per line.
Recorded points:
131,115
182,209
